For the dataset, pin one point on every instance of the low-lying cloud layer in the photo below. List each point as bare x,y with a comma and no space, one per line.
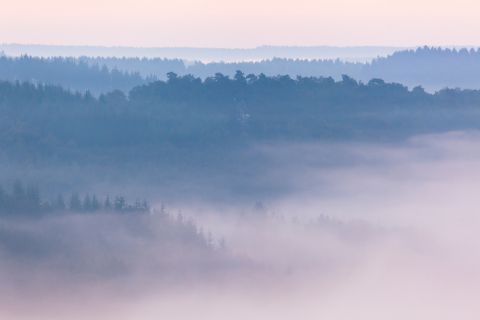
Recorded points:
364,232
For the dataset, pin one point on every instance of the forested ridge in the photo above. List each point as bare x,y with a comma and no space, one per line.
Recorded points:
430,67
70,73
186,111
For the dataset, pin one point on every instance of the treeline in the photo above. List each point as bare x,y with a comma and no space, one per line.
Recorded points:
432,68
26,200
189,113
158,67
70,73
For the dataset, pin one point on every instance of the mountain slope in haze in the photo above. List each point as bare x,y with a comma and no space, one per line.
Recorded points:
432,68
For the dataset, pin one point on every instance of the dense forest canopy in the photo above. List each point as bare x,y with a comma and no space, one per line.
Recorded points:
74,74
432,68
188,112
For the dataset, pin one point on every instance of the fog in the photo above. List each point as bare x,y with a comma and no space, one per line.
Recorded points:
359,231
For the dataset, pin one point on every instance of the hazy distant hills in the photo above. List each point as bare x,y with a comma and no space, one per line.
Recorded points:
354,54
69,73
431,68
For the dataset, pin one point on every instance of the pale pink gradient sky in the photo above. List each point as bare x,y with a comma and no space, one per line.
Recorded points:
246,23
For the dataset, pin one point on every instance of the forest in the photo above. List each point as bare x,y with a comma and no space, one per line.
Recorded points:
239,160
26,200
70,73
188,112
429,67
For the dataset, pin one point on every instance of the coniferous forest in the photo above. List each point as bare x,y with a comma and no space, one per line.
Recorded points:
27,201
279,175
239,160
184,111
433,68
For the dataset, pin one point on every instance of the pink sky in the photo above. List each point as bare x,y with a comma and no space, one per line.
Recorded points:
247,23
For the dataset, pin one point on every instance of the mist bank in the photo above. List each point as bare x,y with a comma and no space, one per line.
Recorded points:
390,233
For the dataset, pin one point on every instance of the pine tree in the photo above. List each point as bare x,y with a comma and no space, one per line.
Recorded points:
120,203
75,202
87,203
60,203
145,206
95,203
108,203
32,199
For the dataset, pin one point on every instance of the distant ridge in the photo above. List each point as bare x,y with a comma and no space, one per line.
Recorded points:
351,54
431,68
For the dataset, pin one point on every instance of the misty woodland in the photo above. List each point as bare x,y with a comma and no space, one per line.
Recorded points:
286,187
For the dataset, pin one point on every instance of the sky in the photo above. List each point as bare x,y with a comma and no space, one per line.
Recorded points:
246,23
